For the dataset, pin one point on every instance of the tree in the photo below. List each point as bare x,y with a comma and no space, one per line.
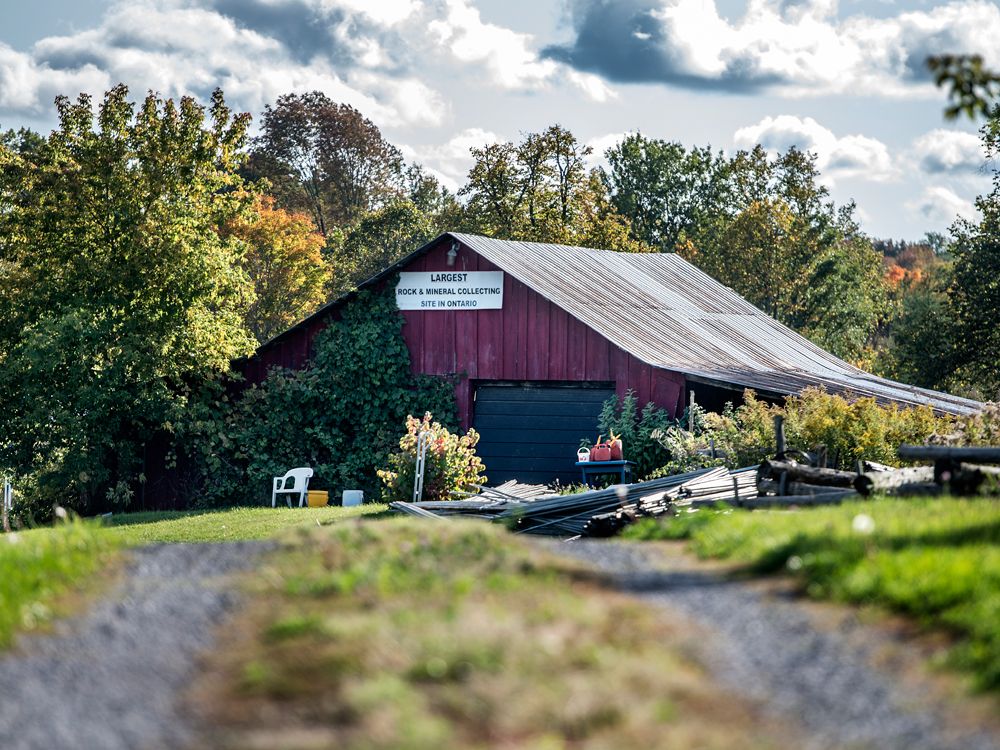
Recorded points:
380,239
844,300
22,141
760,254
972,85
923,343
975,289
121,291
540,190
325,159
282,255
664,191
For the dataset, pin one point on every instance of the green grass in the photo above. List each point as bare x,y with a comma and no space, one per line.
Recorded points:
936,560
39,565
227,525
412,634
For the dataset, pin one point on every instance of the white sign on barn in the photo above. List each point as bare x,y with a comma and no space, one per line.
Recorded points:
450,290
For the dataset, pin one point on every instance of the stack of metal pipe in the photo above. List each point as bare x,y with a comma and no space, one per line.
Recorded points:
593,512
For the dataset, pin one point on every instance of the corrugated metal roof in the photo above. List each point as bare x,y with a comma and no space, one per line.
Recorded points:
667,313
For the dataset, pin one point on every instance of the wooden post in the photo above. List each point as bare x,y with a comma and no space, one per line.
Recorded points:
691,414
8,497
779,435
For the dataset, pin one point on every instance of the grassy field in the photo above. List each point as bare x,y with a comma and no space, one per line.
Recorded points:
228,525
936,560
40,565
410,634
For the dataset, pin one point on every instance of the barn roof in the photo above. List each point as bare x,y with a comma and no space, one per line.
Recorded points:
667,313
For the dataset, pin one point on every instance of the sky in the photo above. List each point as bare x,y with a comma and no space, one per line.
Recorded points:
845,80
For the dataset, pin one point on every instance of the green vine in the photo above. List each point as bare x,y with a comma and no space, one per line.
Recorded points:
340,414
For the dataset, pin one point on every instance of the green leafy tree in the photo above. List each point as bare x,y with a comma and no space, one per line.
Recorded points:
120,289
923,336
540,190
22,141
845,301
431,199
665,191
975,289
379,240
972,86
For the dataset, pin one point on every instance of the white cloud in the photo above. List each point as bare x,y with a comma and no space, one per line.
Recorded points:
594,87
836,157
942,204
28,87
949,152
178,49
373,55
505,53
451,161
600,144
799,48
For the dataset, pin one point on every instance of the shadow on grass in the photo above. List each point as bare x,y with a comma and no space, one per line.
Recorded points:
153,516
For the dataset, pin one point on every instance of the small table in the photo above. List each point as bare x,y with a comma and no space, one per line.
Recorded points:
592,468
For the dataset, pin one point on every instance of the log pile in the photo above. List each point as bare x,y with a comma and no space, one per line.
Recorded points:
960,471
783,483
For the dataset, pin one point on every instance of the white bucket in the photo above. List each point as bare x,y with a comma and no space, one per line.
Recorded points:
583,455
352,497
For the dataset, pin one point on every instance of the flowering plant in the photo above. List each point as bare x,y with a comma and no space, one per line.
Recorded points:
451,462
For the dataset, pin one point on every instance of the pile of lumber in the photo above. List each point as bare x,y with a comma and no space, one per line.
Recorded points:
594,512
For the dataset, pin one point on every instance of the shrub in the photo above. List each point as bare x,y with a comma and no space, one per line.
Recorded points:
981,428
636,430
451,462
339,415
687,451
850,429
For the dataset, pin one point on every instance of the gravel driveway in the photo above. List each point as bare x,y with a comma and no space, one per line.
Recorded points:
770,649
110,678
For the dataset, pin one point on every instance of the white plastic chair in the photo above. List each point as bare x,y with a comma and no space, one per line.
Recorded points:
299,486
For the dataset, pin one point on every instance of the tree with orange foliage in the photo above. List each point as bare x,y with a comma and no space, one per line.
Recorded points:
283,257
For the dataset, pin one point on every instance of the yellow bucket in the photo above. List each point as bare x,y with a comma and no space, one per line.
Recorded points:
318,498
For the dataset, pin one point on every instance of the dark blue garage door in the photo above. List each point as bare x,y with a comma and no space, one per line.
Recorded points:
531,432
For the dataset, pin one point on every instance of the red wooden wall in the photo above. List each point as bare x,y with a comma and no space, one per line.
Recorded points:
529,339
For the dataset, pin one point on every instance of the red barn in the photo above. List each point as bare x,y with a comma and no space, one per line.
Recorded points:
539,336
